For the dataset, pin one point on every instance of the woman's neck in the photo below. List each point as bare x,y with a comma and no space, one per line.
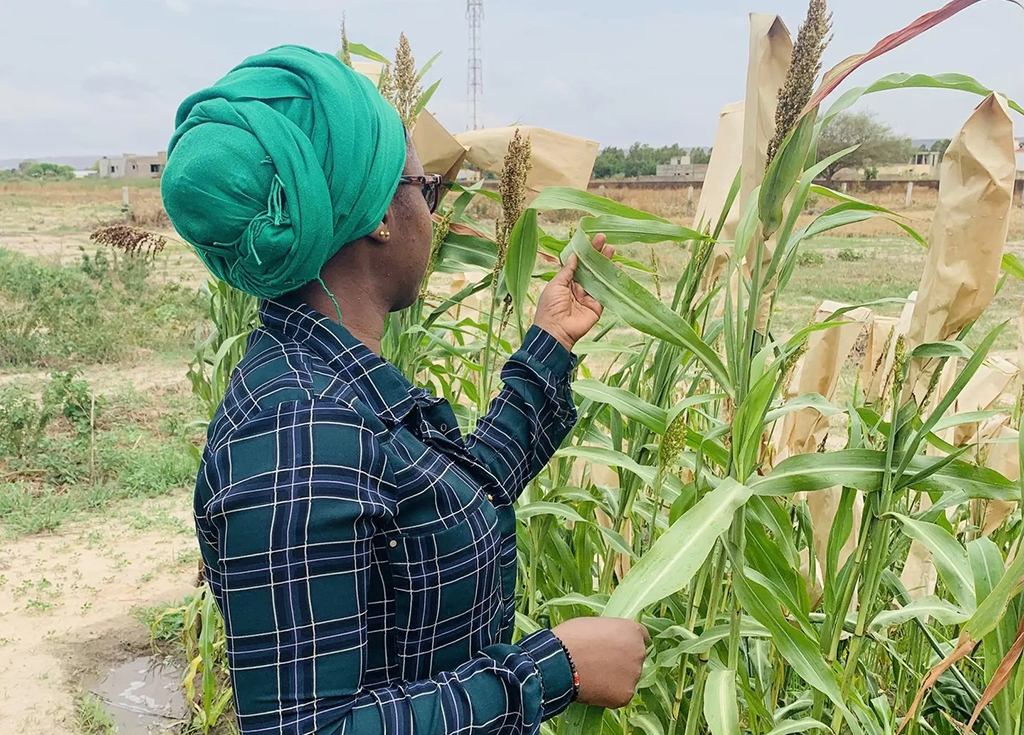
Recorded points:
363,311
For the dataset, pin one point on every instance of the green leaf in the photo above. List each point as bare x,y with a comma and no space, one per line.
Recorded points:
783,173
864,469
358,49
546,508
596,603
950,558
564,197
426,67
796,646
990,612
520,260
424,100
623,230
810,400
625,402
635,305
459,251
789,727
922,609
720,708
612,458
647,722
675,557
960,82
952,348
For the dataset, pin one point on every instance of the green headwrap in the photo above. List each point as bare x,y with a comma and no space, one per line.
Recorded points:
278,165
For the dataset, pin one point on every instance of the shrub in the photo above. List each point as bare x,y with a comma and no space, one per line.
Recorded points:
849,255
810,257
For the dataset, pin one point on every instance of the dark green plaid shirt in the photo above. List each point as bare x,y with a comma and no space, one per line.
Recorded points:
363,551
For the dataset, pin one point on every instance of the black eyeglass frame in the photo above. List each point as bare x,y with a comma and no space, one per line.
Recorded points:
431,185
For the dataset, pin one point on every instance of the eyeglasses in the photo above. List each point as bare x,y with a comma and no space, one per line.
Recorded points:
431,185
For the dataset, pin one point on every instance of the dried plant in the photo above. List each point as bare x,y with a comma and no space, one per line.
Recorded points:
132,241
811,41
406,91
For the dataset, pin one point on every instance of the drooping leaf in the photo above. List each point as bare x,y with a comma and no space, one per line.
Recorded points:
951,561
624,230
843,69
720,708
669,565
638,307
563,197
520,260
625,402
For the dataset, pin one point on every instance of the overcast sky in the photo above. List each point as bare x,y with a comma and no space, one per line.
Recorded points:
95,77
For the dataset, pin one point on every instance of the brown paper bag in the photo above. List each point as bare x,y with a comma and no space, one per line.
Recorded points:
726,159
1003,457
803,432
439,151
968,231
370,69
557,159
881,335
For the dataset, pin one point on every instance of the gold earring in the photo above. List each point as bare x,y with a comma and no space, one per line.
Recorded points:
385,234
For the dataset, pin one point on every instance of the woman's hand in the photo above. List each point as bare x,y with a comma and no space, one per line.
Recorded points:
609,656
565,310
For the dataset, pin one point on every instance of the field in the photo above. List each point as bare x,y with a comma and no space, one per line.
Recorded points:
99,425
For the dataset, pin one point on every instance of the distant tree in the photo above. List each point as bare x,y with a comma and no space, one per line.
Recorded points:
941,145
699,155
642,160
611,163
877,143
49,171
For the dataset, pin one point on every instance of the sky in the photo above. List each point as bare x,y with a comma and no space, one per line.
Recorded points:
102,77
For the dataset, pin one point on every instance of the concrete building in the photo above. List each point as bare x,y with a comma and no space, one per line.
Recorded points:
681,168
133,166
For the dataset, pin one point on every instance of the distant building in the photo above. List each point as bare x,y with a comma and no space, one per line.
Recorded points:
133,166
681,168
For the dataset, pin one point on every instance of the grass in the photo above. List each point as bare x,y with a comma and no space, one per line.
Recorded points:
139,448
57,316
91,718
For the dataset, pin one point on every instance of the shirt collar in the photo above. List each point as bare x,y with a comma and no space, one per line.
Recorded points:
375,381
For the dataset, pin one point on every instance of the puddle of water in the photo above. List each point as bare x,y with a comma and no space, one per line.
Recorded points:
144,696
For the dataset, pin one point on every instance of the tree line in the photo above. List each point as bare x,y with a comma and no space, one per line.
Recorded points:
877,145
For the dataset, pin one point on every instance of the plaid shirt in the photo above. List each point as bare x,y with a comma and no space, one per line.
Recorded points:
363,552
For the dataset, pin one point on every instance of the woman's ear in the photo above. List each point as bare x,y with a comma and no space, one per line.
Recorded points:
382,233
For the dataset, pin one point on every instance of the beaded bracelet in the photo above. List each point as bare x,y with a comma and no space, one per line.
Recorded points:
572,667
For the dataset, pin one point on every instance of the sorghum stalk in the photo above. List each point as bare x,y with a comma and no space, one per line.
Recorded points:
513,202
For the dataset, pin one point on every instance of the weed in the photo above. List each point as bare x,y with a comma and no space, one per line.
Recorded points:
849,255
90,716
811,257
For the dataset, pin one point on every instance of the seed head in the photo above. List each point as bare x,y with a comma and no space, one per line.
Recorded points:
407,91
346,55
441,229
513,191
386,85
811,40
899,367
133,241
674,442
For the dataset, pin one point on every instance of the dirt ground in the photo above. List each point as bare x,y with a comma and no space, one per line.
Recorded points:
66,600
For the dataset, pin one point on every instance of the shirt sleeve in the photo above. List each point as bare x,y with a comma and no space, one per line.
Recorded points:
288,510
531,416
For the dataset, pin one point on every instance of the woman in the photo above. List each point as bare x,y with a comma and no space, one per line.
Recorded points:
361,549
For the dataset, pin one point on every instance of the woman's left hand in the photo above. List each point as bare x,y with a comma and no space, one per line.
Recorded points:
565,310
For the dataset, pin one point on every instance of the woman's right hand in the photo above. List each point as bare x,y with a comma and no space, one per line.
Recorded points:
609,656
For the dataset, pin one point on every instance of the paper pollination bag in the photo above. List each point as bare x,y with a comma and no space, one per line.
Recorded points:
968,231
438,150
557,159
726,160
803,432
771,50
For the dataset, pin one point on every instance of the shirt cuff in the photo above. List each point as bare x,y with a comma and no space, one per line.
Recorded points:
553,666
549,352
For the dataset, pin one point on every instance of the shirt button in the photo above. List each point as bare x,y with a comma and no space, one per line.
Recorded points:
393,544
490,497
